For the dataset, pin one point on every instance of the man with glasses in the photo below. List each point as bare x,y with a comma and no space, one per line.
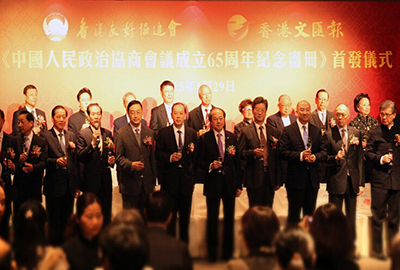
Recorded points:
321,117
383,149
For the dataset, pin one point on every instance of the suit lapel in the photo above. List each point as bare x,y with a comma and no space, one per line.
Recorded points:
57,142
200,115
173,138
132,135
164,116
255,134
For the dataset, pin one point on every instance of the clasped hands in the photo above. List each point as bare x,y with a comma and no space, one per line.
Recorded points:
308,156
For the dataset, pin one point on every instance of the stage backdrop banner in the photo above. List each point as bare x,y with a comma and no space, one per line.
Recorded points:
240,49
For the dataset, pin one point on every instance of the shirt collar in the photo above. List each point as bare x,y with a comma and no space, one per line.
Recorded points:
301,125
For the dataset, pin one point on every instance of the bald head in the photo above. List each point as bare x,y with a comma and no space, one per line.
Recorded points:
205,95
342,115
303,111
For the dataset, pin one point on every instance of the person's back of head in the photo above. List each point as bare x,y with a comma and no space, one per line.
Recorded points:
331,232
395,252
129,217
295,250
124,246
158,208
260,225
29,233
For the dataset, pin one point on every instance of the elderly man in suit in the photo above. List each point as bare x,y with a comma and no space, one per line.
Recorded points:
284,116
383,149
31,157
8,146
258,148
39,116
176,152
79,120
95,150
345,164
198,117
124,119
218,158
61,180
161,115
136,159
321,117
301,146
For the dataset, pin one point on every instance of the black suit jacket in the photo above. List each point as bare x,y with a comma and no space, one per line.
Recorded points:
76,121
167,252
209,152
15,120
314,119
353,161
379,140
275,120
56,180
238,128
291,145
196,119
96,169
254,167
158,118
122,121
8,142
166,145
128,150
29,185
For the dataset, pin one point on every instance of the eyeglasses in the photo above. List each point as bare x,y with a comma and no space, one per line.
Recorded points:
385,114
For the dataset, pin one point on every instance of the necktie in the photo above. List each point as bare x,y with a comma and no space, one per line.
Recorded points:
137,135
220,146
26,145
305,136
62,142
323,118
264,145
344,137
180,145
207,121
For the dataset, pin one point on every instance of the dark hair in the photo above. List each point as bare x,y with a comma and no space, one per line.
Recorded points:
178,103
166,83
321,91
93,105
133,102
158,207
29,86
331,232
129,217
53,111
259,100
125,247
29,233
244,103
2,114
259,227
386,104
215,108
290,242
83,91
28,115
358,98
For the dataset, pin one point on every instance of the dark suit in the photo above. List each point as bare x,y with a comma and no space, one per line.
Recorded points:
16,115
196,118
60,184
135,186
220,185
96,176
8,142
122,121
239,126
178,180
385,183
29,185
76,121
259,180
302,180
166,252
158,118
344,175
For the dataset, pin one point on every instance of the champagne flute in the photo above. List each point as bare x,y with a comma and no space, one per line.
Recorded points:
220,160
262,148
180,152
309,144
141,159
343,148
390,153
323,129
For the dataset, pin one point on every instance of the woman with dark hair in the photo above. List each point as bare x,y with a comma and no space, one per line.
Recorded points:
30,240
86,224
245,108
333,238
260,225
363,121
295,250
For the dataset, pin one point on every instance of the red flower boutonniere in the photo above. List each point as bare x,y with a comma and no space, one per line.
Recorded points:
231,150
397,139
36,151
40,122
354,141
274,141
190,148
148,141
71,146
10,153
332,122
108,143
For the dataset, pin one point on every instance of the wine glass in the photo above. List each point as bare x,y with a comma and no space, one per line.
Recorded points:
262,148
390,153
141,158
220,160
323,129
309,144
180,152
